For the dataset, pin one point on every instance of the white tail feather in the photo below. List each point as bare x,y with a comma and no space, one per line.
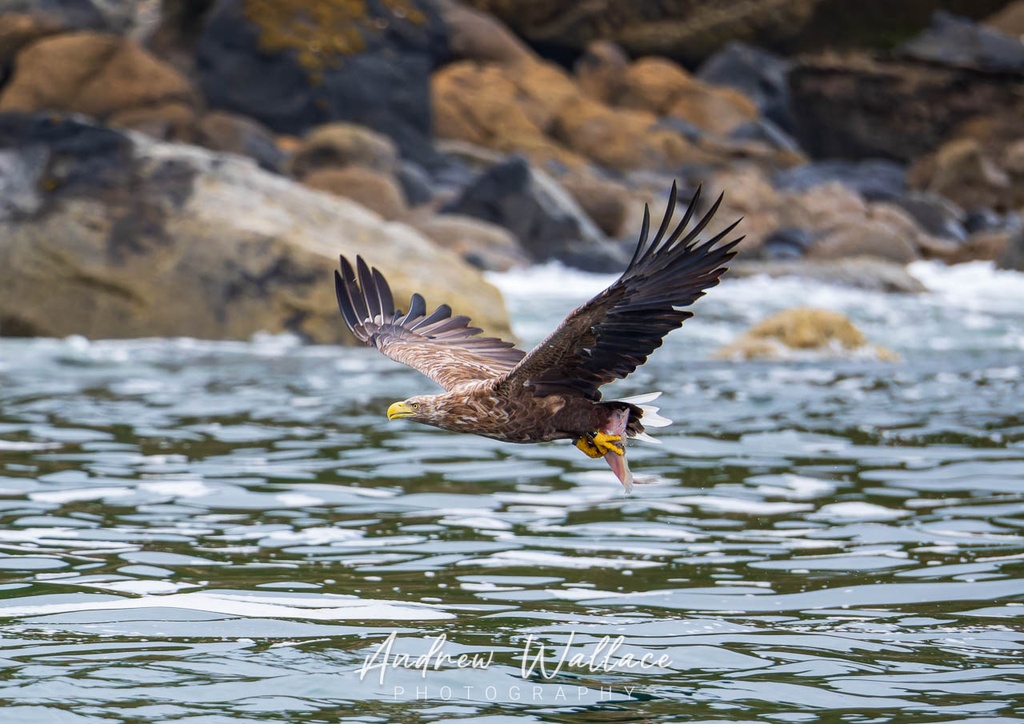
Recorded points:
650,417
639,399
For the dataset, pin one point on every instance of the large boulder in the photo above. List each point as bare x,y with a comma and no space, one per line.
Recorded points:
691,30
980,167
296,64
760,75
660,86
859,106
109,234
104,76
544,218
504,107
688,30
954,40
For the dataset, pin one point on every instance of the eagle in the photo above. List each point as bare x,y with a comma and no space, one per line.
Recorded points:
494,389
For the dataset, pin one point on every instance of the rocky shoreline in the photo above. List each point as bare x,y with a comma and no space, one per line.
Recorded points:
194,167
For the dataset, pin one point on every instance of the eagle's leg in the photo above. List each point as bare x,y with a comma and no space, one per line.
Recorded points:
586,444
597,444
606,443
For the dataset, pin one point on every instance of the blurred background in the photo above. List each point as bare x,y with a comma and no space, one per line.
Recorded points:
193,167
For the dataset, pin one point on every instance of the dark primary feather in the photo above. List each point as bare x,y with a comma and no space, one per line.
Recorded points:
611,335
444,348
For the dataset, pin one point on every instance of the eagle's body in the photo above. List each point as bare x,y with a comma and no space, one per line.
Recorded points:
553,392
505,413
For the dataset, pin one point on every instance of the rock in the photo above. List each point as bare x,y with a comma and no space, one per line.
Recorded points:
297,64
19,30
953,40
758,74
961,171
788,243
822,208
624,139
1009,20
764,131
231,133
868,273
983,246
980,167
95,74
874,179
871,238
508,108
827,220
599,70
481,244
690,31
857,106
122,17
651,84
803,330
749,194
660,86
1012,254
603,200
936,214
116,235
716,110
415,183
473,35
978,220
172,121
542,216
337,145
376,191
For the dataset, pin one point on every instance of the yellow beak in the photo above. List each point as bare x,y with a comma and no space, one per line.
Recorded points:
399,409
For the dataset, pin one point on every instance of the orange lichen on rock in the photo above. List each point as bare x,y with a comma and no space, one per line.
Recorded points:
322,31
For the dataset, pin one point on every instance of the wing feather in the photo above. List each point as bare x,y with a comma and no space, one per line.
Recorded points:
611,335
444,348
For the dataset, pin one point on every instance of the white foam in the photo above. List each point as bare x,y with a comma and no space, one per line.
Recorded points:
79,494
855,510
505,559
741,505
178,488
321,607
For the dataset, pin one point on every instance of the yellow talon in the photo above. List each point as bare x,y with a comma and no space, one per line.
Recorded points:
598,444
588,447
608,443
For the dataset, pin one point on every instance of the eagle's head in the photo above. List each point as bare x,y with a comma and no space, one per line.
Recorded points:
420,408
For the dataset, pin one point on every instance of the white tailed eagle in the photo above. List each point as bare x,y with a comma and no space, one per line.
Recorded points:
491,388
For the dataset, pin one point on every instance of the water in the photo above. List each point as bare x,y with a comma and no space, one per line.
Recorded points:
223,532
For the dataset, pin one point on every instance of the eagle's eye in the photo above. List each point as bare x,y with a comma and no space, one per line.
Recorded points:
415,405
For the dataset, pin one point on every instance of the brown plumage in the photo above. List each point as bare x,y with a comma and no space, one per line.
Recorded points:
494,389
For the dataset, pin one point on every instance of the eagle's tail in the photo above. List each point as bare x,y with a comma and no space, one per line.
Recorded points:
643,416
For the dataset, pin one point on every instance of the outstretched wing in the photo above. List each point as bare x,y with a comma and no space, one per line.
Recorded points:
444,348
613,334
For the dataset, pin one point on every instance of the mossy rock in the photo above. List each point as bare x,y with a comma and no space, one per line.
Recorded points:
297,64
803,330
